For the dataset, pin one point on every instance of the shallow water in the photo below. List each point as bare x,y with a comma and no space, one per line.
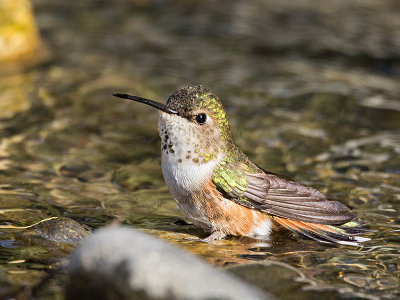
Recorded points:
312,92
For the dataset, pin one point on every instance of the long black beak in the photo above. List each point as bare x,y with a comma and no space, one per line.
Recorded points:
155,104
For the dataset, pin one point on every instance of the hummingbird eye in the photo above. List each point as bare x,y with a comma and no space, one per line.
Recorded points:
201,118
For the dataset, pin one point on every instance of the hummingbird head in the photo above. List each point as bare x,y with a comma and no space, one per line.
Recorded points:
193,124
198,105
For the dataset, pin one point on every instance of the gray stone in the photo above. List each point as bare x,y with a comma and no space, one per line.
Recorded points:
123,263
61,230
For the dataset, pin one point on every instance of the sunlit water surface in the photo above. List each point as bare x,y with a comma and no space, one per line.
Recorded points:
314,113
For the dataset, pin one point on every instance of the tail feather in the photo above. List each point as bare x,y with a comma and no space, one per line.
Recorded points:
345,234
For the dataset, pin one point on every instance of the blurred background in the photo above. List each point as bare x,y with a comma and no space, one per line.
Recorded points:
312,89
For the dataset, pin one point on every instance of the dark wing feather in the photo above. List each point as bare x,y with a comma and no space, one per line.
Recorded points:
294,201
283,198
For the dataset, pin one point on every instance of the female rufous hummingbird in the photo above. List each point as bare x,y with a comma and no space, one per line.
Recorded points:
220,190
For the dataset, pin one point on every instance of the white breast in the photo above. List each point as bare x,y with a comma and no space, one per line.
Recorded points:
185,177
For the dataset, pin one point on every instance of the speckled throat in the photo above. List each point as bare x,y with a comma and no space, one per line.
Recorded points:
188,155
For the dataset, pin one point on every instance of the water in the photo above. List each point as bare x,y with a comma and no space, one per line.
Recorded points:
312,92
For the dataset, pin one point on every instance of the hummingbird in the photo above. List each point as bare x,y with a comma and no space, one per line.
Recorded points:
219,189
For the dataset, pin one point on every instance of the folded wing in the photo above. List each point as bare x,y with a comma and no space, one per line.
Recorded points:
279,197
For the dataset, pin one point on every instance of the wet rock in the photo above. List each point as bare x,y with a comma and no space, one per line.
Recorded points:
122,263
43,241
55,230
18,33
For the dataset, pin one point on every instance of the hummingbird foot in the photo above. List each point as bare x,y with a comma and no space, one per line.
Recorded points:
216,235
